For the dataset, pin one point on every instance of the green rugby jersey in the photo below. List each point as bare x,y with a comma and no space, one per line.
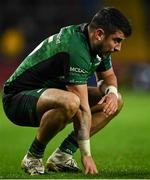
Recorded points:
61,59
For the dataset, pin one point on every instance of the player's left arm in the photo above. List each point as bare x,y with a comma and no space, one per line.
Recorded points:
109,88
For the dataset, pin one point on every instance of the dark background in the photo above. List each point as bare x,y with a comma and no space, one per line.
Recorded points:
25,23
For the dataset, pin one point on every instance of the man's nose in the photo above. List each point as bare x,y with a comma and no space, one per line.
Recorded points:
117,47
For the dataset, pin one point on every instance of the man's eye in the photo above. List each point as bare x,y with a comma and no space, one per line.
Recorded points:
115,41
118,40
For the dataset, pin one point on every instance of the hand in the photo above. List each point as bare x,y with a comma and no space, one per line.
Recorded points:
89,165
111,104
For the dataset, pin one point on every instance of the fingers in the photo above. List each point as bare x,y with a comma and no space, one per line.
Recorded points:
110,108
110,105
89,165
91,171
102,100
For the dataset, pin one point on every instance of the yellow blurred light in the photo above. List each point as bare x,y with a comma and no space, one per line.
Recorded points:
12,42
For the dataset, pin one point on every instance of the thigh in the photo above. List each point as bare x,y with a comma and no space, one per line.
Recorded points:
94,95
54,98
21,108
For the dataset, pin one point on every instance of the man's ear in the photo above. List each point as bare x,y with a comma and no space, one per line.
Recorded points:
99,34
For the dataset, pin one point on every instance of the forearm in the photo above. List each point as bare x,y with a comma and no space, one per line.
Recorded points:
111,80
82,125
108,77
108,81
82,119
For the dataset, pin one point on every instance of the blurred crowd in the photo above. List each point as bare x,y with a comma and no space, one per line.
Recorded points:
24,23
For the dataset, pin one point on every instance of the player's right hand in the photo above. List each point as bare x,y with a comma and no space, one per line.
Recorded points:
89,165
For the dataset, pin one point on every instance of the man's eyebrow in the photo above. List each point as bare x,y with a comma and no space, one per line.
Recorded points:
118,39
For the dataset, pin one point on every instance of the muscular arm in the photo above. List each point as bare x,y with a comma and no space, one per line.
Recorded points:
82,125
82,122
110,99
109,78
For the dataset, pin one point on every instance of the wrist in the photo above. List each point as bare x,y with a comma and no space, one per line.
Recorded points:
85,148
111,89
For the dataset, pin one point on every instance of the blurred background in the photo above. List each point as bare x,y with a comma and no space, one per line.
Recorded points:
25,23
123,149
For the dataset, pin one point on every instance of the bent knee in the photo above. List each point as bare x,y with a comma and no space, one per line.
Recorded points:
120,102
72,104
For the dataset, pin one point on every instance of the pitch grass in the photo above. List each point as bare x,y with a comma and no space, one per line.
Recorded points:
121,150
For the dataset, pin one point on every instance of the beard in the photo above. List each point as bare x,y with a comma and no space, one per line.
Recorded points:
100,50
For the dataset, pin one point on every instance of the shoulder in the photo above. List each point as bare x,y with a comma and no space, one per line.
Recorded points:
78,46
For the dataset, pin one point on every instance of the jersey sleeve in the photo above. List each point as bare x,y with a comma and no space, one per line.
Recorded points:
79,64
105,64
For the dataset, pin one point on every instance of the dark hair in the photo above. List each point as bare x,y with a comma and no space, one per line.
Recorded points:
111,20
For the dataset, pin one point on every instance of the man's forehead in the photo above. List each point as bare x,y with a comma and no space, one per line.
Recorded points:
118,34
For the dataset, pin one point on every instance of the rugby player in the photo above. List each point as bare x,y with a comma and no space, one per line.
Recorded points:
49,90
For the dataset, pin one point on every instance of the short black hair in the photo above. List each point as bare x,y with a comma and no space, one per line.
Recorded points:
111,20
